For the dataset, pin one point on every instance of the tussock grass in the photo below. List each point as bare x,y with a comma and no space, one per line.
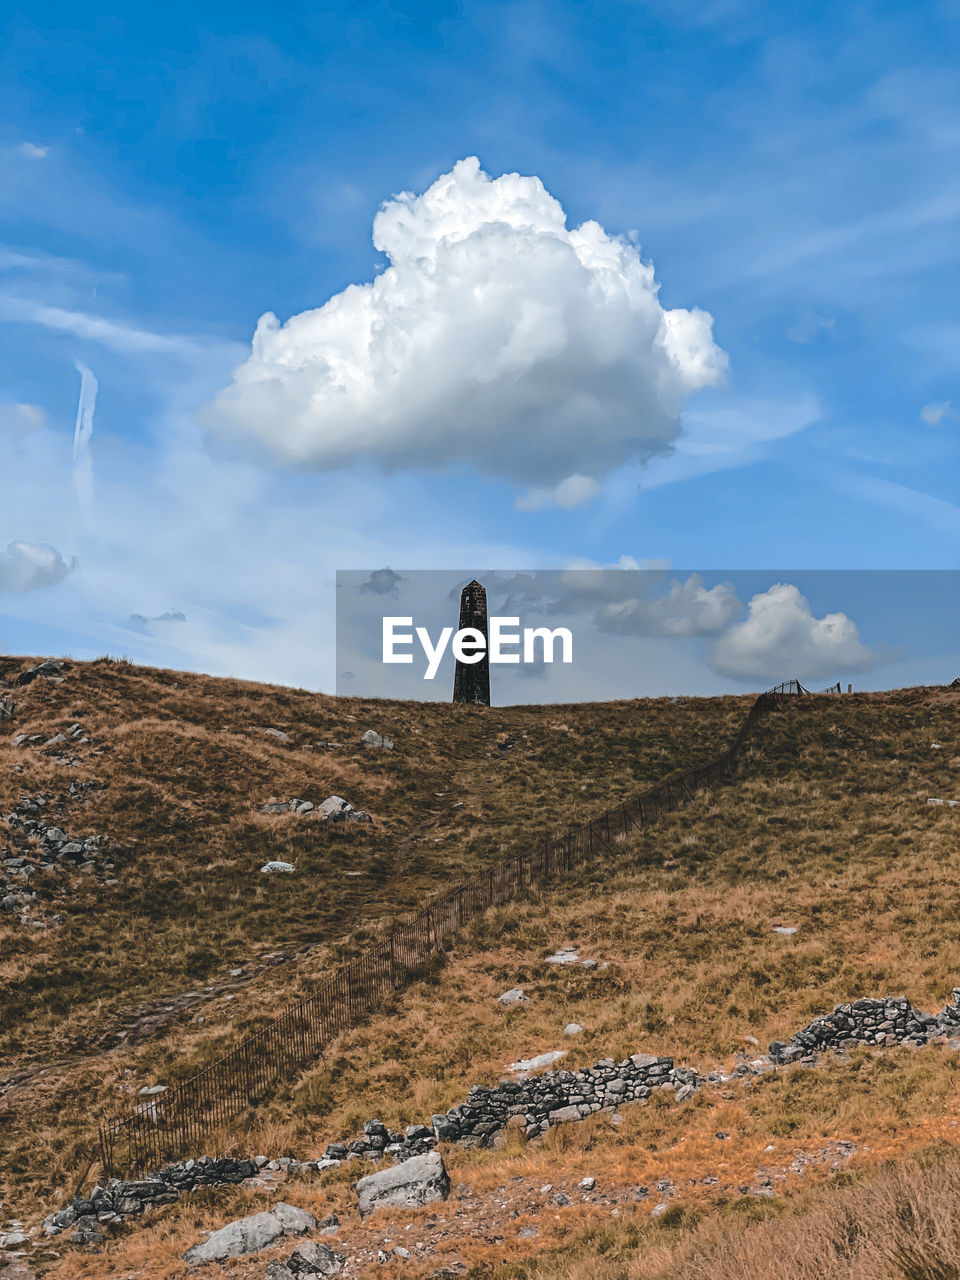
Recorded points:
899,1223
824,826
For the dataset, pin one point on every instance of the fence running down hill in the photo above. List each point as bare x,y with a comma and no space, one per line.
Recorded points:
176,1123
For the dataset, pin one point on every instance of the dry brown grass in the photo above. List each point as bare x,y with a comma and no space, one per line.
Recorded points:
185,783
899,1223
824,826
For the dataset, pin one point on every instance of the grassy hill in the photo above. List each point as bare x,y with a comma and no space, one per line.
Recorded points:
824,827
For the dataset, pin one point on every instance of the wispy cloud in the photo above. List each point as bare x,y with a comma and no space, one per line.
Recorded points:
935,512
729,436
124,338
809,327
82,435
934,414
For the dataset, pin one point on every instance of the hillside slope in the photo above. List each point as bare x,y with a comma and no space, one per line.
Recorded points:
172,771
824,828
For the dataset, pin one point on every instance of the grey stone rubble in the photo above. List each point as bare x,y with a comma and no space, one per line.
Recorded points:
287,806
121,1199
533,1105
51,669
39,851
889,1021
336,809
333,809
309,1259
373,739
272,867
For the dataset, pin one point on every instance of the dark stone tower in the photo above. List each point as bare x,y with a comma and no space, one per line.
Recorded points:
472,680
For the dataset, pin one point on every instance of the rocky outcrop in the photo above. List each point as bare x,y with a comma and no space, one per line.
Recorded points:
417,1181
52,669
250,1235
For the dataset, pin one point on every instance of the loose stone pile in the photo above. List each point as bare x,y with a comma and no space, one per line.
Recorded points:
888,1021
59,747
118,1199
333,809
378,1141
23,860
533,1105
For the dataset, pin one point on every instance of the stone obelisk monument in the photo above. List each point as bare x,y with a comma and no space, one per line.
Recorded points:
472,680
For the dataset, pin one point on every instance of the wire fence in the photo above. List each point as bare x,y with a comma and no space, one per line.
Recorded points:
177,1122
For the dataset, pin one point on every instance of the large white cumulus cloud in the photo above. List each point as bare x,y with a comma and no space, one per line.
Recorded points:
780,638
496,337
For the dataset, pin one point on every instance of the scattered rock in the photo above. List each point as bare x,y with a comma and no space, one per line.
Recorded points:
336,809
269,868
418,1181
373,739
785,930
278,734
572,1029
314,1259
514,996
540,1061
50,669
280,806
566,955
247,1235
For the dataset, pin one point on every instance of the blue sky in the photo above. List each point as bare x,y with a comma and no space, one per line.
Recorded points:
171,175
